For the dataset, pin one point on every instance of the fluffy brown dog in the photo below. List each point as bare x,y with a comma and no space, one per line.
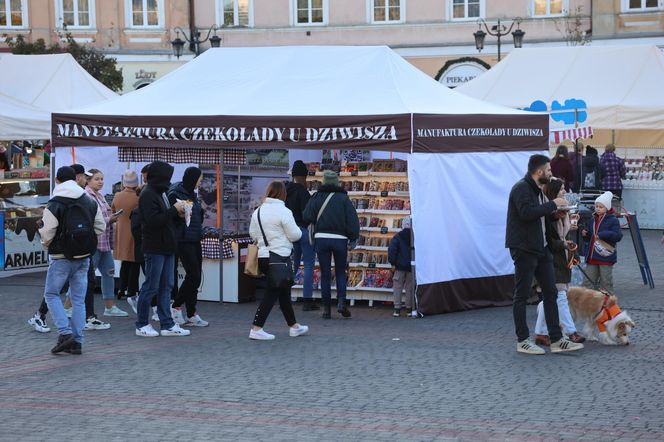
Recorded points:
600,315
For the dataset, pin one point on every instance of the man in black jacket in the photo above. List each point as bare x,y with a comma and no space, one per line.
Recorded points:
526,236
297,197
159,246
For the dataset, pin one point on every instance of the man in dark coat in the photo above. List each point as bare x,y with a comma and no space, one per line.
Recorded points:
159,247
527,235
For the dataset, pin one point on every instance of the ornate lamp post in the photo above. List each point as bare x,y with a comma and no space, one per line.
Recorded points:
195,41
498,30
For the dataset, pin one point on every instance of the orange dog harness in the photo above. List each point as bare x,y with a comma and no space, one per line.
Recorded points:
606,314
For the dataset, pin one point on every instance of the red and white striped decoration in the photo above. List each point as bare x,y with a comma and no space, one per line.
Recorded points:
558,136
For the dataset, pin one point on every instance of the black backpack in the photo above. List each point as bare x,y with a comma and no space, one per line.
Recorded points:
77,230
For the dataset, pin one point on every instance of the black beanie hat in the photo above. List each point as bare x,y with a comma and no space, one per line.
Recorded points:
299,169
65,173
190,178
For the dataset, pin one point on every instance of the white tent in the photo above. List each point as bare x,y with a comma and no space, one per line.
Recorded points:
622,87
19,121
348,98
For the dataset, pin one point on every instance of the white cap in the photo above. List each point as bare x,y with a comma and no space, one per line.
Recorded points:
605,199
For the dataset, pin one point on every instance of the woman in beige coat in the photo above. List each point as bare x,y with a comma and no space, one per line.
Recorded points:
126,200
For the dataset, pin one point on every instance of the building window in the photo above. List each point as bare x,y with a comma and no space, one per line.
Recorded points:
13,14
387,11
76,13
466,9
549,8
235,12
146,13
311,12
642,5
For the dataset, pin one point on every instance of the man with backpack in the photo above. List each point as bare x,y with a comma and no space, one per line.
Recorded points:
70,226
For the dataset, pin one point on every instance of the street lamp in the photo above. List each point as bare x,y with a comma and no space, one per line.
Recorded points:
194,41
498,30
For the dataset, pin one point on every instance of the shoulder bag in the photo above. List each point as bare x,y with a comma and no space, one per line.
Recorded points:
280,273
601,247
312,226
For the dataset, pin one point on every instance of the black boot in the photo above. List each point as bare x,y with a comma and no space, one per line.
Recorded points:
310,305
74,349
326,312
64,343
341,308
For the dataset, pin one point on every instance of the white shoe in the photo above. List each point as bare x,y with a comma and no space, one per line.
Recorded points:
564,344
176,330
93,323
260,335
133,303
178,317
147,332
38,323
196,321
155,315
115,311
297,331
527,346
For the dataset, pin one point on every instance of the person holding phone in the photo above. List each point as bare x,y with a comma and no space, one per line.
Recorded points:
103,259
123,203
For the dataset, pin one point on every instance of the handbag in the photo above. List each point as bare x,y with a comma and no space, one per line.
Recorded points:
280,273
601,247
312,227
251,264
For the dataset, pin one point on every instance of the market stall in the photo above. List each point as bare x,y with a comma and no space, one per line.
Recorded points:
31,87
330,97
623,103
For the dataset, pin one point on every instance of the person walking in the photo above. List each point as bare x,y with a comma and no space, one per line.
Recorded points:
561,167
563,252
159,246
591,178
613,171
337,229
70,225
125,201
189,250
602,235
527,236
297,197
103,259
274,229
399,255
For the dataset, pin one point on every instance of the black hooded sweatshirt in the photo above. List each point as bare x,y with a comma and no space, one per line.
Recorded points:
156,214
186,190
297,197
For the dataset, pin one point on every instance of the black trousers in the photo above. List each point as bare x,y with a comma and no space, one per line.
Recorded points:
129,273
272,294
191,257
527,266
89,295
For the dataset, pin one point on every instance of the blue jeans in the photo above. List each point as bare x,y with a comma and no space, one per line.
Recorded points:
59,272
302,250
325,249
159,280
103,261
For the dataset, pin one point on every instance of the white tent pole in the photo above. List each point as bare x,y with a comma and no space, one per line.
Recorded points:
221,227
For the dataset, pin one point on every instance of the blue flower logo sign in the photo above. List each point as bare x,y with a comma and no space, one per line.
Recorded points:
562,113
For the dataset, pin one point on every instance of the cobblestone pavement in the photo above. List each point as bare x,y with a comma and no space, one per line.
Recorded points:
374,377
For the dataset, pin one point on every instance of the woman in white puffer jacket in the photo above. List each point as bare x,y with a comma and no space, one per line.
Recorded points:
281,231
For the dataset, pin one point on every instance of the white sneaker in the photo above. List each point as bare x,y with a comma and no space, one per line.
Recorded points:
196,321
115,311
176,330
564,344
178,317
68,312
38,323
93,323
297,331
133,303
260,335
527,346
155,315
147,332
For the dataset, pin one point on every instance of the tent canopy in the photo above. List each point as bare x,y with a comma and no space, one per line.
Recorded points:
301,97
621,86
20,121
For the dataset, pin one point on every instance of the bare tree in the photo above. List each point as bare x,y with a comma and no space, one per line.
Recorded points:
574,28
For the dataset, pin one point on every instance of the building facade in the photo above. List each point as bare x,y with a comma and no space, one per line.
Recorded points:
434,35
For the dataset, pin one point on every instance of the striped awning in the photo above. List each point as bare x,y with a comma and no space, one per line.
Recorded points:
559,135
